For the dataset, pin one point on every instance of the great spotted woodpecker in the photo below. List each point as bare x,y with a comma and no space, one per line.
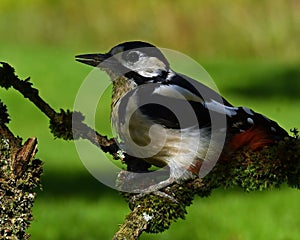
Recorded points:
167,118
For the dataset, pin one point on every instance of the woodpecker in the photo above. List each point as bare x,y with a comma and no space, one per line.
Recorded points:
166,118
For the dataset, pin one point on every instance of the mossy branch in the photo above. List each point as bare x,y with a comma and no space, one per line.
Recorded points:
252,171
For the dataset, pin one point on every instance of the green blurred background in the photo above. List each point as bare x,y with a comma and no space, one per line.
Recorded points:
250,48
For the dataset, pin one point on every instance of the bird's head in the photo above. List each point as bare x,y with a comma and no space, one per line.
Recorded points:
140,61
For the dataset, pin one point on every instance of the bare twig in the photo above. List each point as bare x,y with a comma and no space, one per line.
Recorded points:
65,124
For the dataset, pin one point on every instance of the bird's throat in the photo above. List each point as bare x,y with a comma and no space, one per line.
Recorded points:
121,86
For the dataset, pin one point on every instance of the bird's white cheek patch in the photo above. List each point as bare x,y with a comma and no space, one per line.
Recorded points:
149,73
149,67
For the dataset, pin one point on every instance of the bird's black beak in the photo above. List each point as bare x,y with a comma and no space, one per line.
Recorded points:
94,59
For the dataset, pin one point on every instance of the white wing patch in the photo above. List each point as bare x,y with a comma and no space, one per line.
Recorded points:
249,111
220,108
174,91
250,120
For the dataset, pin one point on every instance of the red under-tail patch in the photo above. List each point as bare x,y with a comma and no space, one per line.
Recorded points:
254,138
195,168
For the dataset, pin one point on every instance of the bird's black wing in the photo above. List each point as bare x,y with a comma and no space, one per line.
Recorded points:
183,102
175,106
197,88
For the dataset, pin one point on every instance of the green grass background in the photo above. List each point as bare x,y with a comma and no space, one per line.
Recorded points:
250,48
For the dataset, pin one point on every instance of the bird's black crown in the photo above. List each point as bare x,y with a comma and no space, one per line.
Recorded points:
144,47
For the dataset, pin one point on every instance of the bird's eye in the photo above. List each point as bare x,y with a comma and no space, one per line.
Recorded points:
132,57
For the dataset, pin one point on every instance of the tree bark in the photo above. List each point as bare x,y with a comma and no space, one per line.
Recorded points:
19,177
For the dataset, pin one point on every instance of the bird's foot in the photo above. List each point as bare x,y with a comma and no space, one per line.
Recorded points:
156,190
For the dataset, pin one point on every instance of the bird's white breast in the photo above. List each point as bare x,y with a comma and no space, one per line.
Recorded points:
160,146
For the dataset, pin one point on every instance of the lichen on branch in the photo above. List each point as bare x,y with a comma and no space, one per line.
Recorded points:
19,178
268,168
